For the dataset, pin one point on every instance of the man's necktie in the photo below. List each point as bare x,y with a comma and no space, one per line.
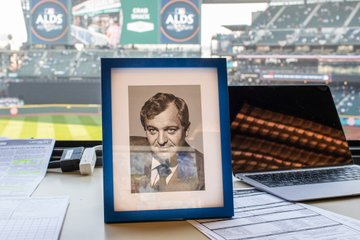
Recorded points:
164,171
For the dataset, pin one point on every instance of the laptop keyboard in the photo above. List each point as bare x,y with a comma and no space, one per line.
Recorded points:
307,177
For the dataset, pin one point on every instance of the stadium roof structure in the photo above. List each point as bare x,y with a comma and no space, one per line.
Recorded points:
326,58
236,28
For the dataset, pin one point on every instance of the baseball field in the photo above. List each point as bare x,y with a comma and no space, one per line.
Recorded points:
59,121
75,122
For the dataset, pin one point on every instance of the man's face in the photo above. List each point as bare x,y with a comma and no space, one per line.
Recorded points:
165,133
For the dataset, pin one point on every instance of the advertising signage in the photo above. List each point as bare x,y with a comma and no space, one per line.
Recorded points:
49,22
180,21
114,22
140,22
161,22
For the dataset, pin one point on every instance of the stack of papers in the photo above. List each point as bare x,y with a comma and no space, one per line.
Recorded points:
33,218
23,164
259,215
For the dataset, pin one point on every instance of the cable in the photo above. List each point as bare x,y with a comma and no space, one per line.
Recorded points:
54,164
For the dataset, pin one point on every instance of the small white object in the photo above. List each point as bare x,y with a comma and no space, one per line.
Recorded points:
87,162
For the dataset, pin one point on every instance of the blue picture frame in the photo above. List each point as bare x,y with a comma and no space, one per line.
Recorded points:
112,130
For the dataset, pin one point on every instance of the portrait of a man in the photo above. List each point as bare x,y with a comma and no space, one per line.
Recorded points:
162,160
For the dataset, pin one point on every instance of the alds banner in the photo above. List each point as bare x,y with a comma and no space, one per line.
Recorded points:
180,21
49,22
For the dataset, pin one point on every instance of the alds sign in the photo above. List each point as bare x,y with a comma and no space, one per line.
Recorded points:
49,21
180,22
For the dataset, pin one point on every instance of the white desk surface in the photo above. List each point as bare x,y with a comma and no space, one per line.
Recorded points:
84,219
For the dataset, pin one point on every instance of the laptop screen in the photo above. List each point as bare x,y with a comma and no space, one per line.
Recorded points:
285,127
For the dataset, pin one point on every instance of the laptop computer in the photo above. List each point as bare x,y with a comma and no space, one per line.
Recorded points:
288,141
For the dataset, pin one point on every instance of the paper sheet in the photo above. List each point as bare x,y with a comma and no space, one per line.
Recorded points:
23,164
263,216
36,218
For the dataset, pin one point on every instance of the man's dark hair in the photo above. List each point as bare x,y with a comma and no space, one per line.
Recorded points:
159,102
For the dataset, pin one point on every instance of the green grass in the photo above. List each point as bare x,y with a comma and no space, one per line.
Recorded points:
60,127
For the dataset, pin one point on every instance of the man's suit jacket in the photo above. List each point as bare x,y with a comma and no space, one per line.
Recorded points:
188,176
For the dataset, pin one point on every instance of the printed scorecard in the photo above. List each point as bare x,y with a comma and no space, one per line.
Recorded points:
23,164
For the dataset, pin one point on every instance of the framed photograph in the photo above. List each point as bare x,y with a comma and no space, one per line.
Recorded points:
166,139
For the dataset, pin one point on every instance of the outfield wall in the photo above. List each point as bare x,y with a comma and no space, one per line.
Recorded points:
52,109
56,92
